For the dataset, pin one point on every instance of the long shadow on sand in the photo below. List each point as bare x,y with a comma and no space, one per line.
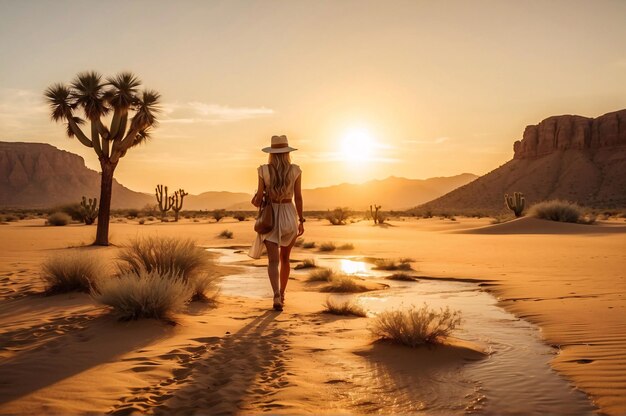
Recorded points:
239,372
87,343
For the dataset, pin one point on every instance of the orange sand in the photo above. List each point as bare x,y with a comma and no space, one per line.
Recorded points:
64,354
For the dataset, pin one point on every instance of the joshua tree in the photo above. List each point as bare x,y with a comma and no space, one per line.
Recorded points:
515,203
177,202
165,202
89,210
94,98
375,215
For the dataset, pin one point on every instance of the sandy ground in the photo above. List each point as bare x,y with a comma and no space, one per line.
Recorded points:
64,354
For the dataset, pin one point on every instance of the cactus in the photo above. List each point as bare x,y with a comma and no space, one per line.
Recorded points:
515,203
165,202
89,210
177,202
375,215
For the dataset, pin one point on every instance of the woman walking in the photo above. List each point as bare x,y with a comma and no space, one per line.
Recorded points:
280,183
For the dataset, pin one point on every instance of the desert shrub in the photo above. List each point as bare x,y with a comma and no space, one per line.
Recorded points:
218,214
10,218
299,242
416,327
142,221
145,294
329,246
59,219
556,210
240,217
338,216
321,275
341,283
169,257
71,272
150,218
347,246
75,211
392,264
308,244
226,234
132,213
402,277
306,264
347,308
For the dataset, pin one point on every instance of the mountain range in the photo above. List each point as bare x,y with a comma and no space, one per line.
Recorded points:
38,175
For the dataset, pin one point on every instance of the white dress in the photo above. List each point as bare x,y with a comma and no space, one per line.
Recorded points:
285,215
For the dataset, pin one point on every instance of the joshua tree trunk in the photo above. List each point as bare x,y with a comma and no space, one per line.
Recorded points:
106,188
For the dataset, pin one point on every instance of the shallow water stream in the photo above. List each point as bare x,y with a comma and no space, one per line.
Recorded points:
515,378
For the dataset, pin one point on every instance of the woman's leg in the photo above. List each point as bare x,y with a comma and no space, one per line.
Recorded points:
285,268
272,265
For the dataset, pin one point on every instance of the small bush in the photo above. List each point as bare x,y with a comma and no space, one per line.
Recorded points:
347,308
75,211
144,295
326,247
10,218
132,213
391,264
218,214
347,246
339,283
169,257
299,242
142,221
240,217
150,218
308,244
59,219
306,264
415,327
71,272
338,216
226,234
557,210
321,275
402,277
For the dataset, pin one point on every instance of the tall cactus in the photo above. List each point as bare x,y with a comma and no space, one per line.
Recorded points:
165,202
177,200
515,203
374,212
89,210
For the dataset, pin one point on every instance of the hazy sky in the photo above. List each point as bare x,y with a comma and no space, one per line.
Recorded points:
430,88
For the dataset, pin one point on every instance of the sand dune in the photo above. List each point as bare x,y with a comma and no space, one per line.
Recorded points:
528,225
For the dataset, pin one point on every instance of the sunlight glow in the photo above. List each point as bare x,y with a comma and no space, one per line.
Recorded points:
357,145
353,267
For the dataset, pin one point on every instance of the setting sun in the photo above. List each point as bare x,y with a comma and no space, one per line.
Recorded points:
357,145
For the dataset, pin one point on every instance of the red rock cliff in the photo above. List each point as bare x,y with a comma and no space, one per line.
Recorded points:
572,132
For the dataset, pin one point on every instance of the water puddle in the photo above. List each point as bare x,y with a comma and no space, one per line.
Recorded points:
515,378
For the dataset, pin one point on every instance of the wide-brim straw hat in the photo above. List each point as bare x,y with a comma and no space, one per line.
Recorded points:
279,145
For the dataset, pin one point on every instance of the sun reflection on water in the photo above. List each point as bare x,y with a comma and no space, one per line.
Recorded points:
352,267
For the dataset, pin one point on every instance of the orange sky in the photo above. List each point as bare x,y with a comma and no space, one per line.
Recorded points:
430,89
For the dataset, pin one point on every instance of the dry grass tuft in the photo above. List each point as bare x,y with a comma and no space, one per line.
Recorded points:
144,295
392,264
415,327
71,272
308,244
306,264
226,234
347,308
171,257
402,277
347,246
59,219
557,210
339,283
321,275
326,247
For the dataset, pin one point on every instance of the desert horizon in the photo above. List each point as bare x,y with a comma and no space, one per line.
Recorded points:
342,207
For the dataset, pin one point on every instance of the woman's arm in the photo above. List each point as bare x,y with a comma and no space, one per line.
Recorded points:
297,190
258,197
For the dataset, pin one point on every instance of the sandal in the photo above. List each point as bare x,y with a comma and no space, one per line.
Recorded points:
278,304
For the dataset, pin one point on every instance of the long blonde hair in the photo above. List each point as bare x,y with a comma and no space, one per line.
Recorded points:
278,176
